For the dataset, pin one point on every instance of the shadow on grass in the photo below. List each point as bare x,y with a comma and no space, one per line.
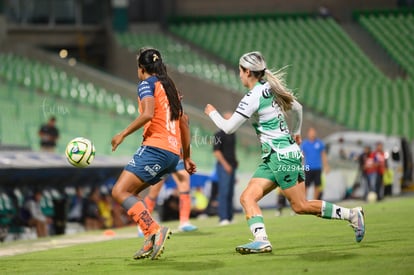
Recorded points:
327,256
374,242
169,264
321,252
192,234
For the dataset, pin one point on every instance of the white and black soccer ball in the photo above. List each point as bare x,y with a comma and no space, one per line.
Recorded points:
80,152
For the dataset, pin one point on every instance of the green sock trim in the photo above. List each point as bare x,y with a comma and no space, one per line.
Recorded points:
255,219
327,213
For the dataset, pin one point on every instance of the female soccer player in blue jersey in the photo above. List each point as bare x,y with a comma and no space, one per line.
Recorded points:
266,103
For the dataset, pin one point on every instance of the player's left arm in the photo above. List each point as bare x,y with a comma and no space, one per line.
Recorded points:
190,166
297,114
148,106
185,136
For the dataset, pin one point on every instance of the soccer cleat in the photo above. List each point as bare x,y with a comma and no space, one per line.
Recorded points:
187,227
255,247
358,223
146,249
159,239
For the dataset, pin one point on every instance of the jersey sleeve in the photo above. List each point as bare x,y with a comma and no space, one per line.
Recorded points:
248,105
230,125
145,89
297,117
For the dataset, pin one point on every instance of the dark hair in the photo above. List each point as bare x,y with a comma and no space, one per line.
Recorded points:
150,60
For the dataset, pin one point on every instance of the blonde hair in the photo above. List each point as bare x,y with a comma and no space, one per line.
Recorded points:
282,95
255,62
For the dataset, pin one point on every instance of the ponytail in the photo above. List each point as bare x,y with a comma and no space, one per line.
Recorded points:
283,97
176,108
150,59
255,62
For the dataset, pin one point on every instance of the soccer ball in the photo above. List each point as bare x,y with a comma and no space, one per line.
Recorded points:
80,152
372,197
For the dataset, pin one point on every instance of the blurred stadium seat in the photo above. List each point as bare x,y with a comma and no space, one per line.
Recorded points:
326,69
182,57
32,91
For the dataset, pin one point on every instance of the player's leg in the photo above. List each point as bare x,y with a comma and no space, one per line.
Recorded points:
256,189
124,191
299,203
182,179
292,184
147,167
325,209
151,198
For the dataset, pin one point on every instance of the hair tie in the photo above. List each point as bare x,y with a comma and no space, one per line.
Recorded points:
155,57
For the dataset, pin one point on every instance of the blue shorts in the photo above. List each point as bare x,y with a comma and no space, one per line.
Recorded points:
152,164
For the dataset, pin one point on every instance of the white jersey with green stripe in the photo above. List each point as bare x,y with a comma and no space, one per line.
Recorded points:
268,120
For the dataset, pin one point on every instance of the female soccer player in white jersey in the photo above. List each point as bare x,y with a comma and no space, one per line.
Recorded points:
266,103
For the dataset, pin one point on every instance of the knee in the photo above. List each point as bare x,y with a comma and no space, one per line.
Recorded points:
115,193
244,199
299,207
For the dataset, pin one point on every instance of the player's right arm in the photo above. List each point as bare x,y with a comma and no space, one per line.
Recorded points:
247,106
146,97
190,166
229,126
297,121
146,115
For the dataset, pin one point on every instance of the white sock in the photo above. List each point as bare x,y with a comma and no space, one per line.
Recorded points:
257,227
333,211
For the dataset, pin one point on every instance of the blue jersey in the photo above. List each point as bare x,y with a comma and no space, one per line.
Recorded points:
312,151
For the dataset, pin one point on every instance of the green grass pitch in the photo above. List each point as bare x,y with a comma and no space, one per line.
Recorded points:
301,245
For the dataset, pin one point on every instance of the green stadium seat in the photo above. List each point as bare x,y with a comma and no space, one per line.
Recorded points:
328,71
